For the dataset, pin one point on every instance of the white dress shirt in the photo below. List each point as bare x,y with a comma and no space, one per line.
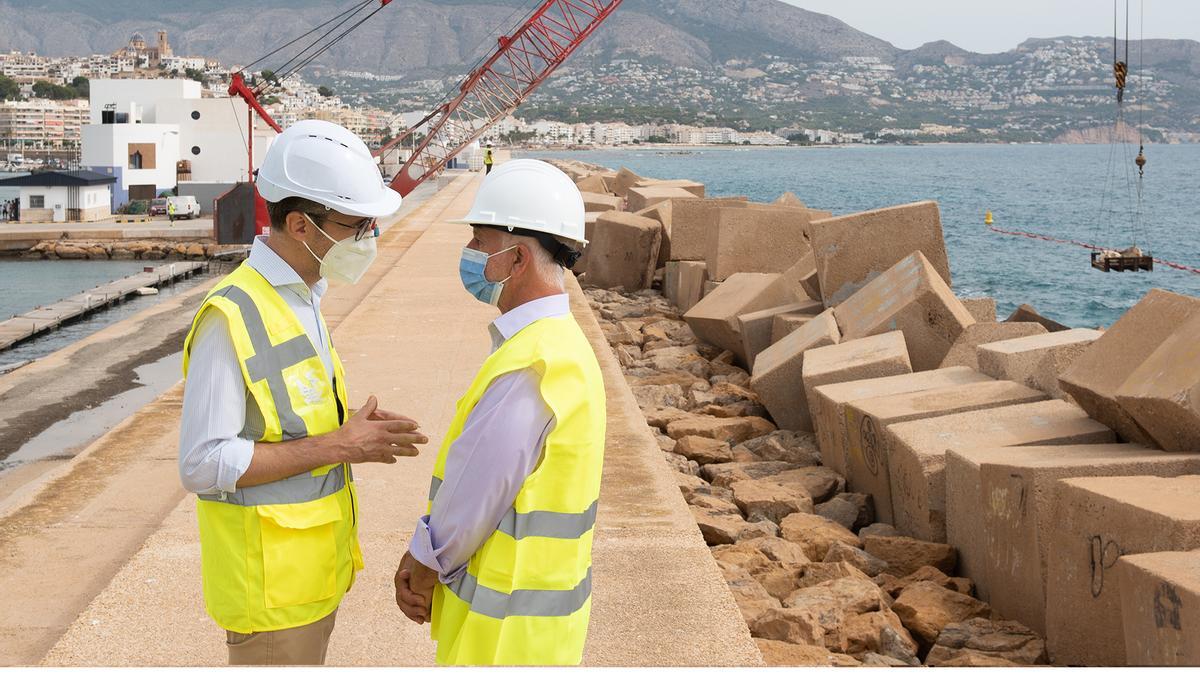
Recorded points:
216,404
500,445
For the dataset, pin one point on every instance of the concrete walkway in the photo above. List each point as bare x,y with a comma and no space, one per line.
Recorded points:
415,340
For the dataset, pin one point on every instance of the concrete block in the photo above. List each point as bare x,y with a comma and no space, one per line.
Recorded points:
983,309
693,222
999,512
593,183
709,285
918,453
756,326
1163,394
714,318
965,350
1094,377
804,275
662,213
756,240
1160,608
1098,520
910,297
624,180
862,359
694,188
853,249
589,231
684,283
639,198
866,423
783,324
623,251
777,376
1026,313
790,199
601,202
828,404
1036,360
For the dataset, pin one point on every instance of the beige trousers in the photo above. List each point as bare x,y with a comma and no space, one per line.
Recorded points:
299,646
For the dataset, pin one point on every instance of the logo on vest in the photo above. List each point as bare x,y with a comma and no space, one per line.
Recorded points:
310,388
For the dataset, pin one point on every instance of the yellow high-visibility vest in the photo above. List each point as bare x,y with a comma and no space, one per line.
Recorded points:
282,554
526,596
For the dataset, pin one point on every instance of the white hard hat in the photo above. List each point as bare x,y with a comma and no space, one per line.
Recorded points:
328,164
530,195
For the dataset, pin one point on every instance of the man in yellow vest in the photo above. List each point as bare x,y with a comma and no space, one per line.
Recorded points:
488,159
267,438
501,563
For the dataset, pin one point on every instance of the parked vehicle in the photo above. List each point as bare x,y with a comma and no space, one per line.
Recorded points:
158,206
186,206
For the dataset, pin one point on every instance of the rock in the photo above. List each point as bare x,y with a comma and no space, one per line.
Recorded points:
718,528
97,252
195,251
971,660
739,409
814,533
703,450
765,500
869,564
779,579
689,485
727,474
69,252
820,572
1026,313
926,608
751,598
1006,640
794,447
628,355
684,379
660,396
878,530
686,359
618,333
851,510
778,653
681,464
788,625
864,633
895,586
819,482
873,660
905,555
825,609
730,430
723,393
776,549
661,418
897,643
743,556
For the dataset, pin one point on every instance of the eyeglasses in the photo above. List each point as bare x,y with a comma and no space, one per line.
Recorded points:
360,227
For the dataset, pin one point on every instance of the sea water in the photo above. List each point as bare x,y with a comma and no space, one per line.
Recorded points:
1057,190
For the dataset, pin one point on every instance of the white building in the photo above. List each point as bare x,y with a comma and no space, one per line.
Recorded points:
61,196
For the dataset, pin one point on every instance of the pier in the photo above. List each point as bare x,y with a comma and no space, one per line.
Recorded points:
51,317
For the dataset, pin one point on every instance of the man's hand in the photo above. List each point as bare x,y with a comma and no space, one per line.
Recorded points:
374,435
414,589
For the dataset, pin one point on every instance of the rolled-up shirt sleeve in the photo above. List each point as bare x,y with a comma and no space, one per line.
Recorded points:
212,456
500,445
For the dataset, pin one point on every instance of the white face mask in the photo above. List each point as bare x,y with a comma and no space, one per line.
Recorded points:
348,260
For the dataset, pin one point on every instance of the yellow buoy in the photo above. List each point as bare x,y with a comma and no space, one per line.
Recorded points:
987,220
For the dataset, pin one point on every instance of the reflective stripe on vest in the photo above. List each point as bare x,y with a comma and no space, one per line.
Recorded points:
497,605
269,361
539,523
294,490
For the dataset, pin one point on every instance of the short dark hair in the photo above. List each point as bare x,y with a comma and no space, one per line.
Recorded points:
278,211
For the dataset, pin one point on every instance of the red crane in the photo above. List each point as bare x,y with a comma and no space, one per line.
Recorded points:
493,90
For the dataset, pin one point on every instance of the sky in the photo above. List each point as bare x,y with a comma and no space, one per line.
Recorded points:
999,25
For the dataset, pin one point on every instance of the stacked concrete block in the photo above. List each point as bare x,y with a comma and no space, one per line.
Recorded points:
1026,313
683,283
692,187
782,325
597,202
804,275
639,198
1096,521
624,180
756,326
1094,377
828,404
983,309
1160,608
999,512
867,421
1036,360
714,318
709,284
593,183
756,240
777,375
1163,394
589,231
790,199
911,297
965,350
623,251
662,213
693,223
862,359
853,249
918,453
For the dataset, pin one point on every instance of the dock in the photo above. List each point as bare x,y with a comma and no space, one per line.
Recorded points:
51,317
